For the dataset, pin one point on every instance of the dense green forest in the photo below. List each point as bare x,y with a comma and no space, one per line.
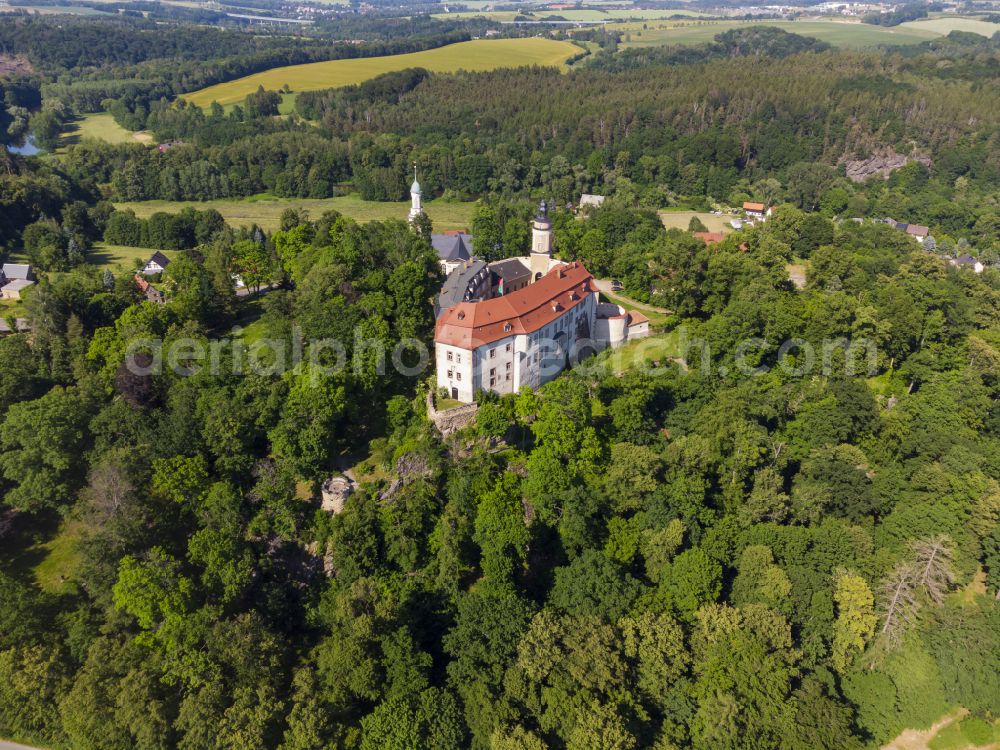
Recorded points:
757,540
661,558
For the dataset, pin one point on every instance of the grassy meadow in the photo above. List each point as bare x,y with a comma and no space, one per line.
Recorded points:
837,33
948,24
681,219
101,127
265,211
481,54
119,257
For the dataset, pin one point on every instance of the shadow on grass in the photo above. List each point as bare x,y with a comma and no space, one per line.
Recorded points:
21,549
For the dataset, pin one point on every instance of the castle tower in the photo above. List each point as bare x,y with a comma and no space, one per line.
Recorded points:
541,243
416,209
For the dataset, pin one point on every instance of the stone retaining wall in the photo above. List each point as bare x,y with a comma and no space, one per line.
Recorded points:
450,420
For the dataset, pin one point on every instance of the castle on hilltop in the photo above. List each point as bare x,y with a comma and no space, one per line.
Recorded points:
517,322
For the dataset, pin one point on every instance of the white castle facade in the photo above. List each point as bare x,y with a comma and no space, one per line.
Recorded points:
520,321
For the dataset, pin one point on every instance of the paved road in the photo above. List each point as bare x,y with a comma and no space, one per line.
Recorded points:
245,292
4,745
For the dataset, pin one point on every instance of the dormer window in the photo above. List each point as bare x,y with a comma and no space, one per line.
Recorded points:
508,328
461,315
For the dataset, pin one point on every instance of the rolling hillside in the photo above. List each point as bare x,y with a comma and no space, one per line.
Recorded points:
482,54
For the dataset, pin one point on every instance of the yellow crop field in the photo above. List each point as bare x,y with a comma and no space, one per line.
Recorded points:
480,54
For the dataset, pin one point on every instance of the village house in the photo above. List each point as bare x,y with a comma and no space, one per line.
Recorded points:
589,201
756,211
18,325
14,279
151,293
157,263
453,249
710,238
918,232
967,261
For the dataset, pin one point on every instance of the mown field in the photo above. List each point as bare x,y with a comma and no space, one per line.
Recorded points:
837,33
481,54
265,211
119,257
948,24
681,219
102,127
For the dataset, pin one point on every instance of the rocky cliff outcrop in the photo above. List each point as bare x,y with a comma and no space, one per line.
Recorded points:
884,164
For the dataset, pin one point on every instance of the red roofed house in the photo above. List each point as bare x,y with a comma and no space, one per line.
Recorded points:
710,238
526,337
918,232
757,211
151,293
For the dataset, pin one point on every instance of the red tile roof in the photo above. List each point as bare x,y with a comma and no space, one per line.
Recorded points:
748,206
635,318
469,325
141,283
710,238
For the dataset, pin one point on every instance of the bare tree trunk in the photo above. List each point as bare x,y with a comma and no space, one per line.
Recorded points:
900,604
933,558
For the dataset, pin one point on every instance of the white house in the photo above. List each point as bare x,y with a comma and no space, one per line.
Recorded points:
756,211
157,263
967,261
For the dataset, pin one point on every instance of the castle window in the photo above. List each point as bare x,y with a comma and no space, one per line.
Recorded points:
493,382
493,353
509,346
493,371
451,373
508,365
458,376
458,358
450,356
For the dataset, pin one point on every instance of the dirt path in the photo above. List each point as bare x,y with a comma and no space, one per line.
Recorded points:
604,286
5,745
916,739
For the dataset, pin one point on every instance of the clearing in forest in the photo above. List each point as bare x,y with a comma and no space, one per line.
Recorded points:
477,55
265,211
101,127
681,219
